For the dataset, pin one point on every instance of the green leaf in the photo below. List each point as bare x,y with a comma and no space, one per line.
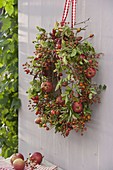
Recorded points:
7,152
81,63
65,60
90,96
43,43
86,61
2,69
16,103
74,52
66,99
69,76
2,3
58,85
41,29
38,36
93,91
6,24
9,8
11,1
68,88
63,43
15,37
56,25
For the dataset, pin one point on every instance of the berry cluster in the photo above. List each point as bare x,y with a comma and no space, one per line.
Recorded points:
62,91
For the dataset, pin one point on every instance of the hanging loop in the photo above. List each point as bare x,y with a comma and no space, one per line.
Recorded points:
73,15
66,11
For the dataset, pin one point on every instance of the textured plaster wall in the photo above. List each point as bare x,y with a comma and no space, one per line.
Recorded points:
94,150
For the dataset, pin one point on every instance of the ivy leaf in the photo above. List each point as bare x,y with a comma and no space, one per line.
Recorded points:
2,3
11,1
6,24
2,69
15,37
16,103
9,8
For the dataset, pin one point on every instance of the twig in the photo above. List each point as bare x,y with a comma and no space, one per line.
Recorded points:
82,22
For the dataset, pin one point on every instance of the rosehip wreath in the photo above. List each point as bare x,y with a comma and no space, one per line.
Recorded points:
62,90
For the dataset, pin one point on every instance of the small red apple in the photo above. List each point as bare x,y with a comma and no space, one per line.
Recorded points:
36,158
65,83
90,72
53,112
38,112
19,164
60,101
35,99
15,156
82,56
58,46
77,107
47,86
38,120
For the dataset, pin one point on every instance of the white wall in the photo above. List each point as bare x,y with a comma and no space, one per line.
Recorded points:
94,150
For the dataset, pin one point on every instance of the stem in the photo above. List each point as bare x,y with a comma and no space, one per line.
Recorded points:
82,22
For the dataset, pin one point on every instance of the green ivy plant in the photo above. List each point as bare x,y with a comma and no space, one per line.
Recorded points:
9,101
62,89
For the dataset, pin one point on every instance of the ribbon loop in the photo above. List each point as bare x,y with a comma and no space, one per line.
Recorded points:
66,10
73,17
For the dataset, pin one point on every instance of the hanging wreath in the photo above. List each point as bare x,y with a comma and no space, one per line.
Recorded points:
62,90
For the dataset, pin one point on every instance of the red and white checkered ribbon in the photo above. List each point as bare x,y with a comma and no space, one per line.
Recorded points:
38,167
41,167
66,10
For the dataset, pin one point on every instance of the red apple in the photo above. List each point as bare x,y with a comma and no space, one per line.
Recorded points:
82,56
65,83
53,112
35,99
47,86
59,100
38,120
90,72
19,164
15,156
58,46
38,112
77,107
36,158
